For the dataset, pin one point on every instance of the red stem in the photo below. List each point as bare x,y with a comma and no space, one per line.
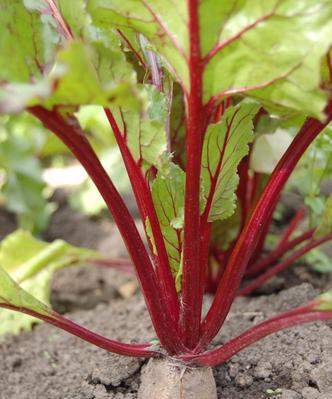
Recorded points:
262,239
147,210
242,189
205,225
64,28
74,139
204,256
219,112
136,350
165,281
229,349
132,48
192,302
329,62
122,264
277,253
250,235
253,197
261,279
291,227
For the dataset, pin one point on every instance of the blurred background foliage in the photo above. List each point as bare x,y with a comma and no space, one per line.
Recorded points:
33,163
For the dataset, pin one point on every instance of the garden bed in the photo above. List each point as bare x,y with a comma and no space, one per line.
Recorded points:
47,363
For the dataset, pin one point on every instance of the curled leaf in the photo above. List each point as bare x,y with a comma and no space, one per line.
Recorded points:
26,269
324,302
325,226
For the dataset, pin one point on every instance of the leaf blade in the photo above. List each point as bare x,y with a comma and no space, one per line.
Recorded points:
279,45
164,23
31,263
225,144
168,198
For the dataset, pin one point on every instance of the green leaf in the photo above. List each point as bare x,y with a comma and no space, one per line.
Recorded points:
314,168
89,70
324,302
272,50
318,261
80,83
178,124
26,51
144,130
162,22
316,204
157,104
81,76
225,144
23,187
13,295
31,263
91,75
76,17
225,231
268,149
325,226
269,50
22,46
168,198
94,123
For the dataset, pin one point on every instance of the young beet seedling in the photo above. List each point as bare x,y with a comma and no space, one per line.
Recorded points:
213,68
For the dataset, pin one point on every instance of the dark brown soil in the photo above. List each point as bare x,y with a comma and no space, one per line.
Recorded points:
47,363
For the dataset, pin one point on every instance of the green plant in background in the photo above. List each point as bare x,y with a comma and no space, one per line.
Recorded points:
86,197
22,187
27,150
312,183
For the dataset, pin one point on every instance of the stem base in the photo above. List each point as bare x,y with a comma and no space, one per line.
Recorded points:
164,379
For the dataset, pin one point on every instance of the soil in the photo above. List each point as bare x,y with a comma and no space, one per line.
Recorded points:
48,363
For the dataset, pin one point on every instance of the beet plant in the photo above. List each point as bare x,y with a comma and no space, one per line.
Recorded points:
183,86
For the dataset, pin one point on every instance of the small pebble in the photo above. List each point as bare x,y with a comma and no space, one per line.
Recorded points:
244,380
263,370
233,370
